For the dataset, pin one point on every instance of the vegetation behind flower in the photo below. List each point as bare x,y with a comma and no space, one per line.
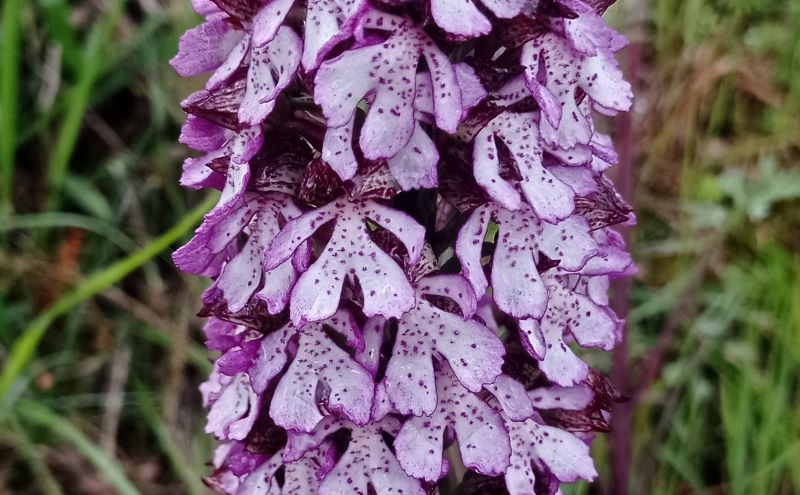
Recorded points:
83,377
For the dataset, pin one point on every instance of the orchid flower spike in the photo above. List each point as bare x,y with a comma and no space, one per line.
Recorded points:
413,241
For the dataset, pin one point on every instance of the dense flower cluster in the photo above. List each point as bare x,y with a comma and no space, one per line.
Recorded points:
412,240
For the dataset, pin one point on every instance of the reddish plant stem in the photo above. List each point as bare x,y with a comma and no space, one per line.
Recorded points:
622,412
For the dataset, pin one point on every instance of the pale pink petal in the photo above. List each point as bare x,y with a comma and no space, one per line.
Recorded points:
235,59
205,47
512,397
482,438
269,19
460,17
202,135
469,247
555,397
337,150
536,448
234,412
369,462
329,22
454,287
320,361
473,351
272,68
414,166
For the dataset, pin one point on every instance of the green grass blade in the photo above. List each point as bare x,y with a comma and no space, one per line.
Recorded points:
198,355
117,70
106,465
9,95
79,100
25,346
85,194
178,459
55,219
56,14
31,454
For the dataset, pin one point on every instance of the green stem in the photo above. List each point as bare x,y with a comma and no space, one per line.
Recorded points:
25,346
9,94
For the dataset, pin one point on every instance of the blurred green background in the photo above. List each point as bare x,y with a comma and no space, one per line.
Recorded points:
100,349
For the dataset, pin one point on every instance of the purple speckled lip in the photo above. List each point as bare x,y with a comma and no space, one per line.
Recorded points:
413,240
